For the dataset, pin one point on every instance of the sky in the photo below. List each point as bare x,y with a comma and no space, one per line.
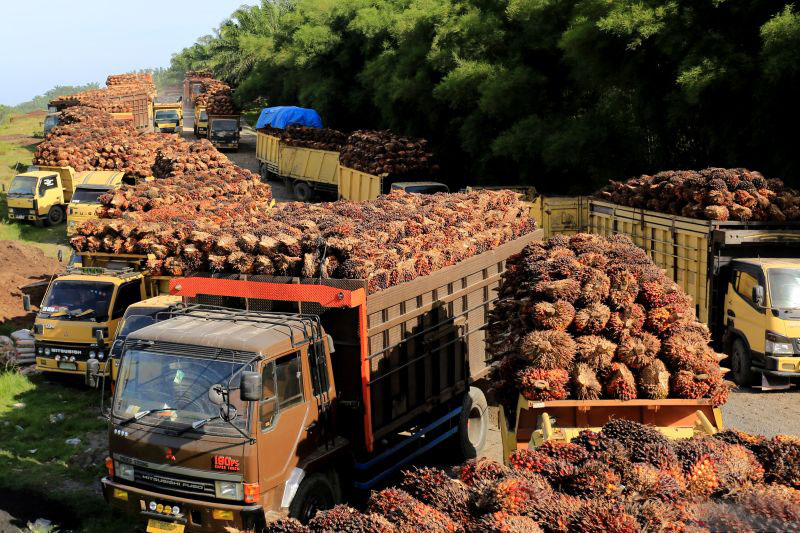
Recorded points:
46,43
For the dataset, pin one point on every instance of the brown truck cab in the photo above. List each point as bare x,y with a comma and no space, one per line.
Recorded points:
216,420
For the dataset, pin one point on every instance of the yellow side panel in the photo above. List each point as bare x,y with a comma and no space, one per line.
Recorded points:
563,215
679,245
308,164
358,186
268,150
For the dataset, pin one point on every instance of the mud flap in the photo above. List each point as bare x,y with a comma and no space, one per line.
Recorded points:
772,381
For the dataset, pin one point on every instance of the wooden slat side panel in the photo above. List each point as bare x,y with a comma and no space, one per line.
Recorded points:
424,340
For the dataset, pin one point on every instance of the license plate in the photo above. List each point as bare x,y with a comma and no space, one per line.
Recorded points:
21,217
159,526
67,366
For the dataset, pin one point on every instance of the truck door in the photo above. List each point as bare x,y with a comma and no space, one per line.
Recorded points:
50,193
127,294
283,416
747,318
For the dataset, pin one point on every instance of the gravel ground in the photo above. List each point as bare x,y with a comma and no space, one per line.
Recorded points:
766,413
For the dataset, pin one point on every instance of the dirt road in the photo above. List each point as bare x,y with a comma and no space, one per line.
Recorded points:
245,157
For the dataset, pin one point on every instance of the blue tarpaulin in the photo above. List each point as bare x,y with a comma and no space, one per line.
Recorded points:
283,116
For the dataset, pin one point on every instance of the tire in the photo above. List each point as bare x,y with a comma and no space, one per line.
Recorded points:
473,424
303,191
55,216
740,363
315,493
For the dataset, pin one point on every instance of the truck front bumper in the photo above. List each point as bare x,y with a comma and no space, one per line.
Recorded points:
218,144
78,368
782,366
20,213
195,515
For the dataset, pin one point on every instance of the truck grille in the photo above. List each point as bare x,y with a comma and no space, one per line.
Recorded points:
20,211
173,482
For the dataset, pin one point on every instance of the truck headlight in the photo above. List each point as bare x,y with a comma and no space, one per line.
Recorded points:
778,344
123,471
92,354
47,351
229,490
100,355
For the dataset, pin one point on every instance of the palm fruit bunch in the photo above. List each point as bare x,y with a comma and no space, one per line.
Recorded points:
502,522
408,513
435,488
586,317
345,519
713,194
286,525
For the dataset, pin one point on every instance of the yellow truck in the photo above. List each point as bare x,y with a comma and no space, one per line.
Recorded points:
304,170
168,117
85,201
743,277
82,309
200,121
41,195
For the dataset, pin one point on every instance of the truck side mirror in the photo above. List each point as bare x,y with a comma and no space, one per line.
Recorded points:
758,295
26,302
250,389
60,255
216,394
92,369
98,336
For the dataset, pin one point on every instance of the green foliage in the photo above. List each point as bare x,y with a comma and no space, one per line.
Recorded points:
561,95
41,101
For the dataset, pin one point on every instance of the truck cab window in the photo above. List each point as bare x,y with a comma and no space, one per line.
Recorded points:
745,282
281,388
129,293
46,184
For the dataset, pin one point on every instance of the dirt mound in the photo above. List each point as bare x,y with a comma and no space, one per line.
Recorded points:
21,264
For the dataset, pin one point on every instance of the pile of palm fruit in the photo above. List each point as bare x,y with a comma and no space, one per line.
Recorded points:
304,137
714,193
218,222
627,478
384,153
585,317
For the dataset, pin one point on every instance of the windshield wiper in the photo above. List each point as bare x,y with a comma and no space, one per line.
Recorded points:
197,424
142,414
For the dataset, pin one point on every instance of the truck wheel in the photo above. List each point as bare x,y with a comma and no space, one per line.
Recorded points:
314,494
302,191
473,424
740,364
55,216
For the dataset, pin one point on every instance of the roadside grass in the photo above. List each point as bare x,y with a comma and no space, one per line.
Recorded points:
34,455
250,116
13,155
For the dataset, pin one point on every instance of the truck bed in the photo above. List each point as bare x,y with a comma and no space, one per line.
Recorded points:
400,354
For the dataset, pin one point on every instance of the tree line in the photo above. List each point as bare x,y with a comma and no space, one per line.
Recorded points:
560,95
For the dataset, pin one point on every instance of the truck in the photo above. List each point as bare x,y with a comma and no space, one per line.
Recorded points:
337,390
200,121
305,171
742,277
50,122
168,117
82,308
224,131
41,194
85,202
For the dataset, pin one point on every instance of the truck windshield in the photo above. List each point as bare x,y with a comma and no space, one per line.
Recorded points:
169,114
203,116
50,122
225,125
80,300
784,288
87,196
149,380
23,185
